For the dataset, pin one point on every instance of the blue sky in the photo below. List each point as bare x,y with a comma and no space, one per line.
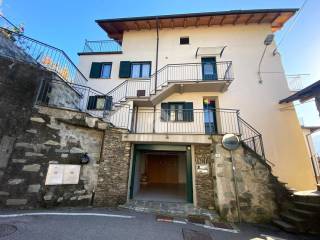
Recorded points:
66,23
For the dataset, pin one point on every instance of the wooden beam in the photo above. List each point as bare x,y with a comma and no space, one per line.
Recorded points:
249,18
236,19
261,19
210,20
137,25
149,25
222,19
275,17
172,23
197,21
184,22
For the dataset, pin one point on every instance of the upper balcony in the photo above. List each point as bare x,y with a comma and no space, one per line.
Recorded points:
101,47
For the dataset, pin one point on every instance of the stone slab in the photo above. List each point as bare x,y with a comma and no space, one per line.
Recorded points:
11,202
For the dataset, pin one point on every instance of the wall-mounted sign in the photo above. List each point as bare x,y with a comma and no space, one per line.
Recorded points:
202,168
59,174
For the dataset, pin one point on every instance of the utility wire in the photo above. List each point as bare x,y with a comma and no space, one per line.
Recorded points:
291,27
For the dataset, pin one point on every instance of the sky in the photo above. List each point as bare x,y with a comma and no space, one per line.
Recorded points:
67,23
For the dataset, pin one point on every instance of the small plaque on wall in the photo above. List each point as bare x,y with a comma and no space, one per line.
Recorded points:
202,168
59,174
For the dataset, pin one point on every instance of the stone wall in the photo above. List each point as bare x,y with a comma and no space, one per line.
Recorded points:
52,136
255,183
58,93
112,188
204,182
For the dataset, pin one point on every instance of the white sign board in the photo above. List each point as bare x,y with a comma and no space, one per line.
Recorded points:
202,168
59,174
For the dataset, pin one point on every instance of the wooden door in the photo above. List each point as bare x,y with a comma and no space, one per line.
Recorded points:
162,169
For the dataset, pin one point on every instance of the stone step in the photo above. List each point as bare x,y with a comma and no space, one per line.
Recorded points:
307,197
305,214
284,225
297,222
308,206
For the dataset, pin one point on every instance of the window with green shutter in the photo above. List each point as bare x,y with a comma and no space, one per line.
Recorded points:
100,70
177,111
95,71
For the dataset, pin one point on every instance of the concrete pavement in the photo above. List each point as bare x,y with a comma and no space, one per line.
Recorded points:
105,224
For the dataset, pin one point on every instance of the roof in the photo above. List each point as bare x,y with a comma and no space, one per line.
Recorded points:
304,94
275,17
312,129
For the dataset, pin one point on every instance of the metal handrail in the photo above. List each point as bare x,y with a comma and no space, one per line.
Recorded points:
102,46
50,57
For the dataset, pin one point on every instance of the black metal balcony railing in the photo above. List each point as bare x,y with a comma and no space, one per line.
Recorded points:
195,121
220,71
102,46
49,57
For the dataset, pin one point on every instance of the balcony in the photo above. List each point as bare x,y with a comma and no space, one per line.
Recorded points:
145,124
101,47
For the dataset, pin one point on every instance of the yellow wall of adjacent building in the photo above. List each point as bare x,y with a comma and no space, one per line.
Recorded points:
258,103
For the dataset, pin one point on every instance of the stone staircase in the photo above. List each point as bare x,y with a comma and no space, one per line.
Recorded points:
301,214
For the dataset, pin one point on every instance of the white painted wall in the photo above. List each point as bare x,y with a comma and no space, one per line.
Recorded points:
283,139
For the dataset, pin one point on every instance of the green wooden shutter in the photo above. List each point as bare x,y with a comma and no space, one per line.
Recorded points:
95,71
188,112
92,103
125,69
108,105
165,113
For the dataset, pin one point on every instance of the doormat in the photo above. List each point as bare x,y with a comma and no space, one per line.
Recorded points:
164,218
189,234
222,225
197,219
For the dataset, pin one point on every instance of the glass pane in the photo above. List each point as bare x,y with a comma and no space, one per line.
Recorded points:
208,68
100,103
106,70
135,71
146,70
172,113
180,112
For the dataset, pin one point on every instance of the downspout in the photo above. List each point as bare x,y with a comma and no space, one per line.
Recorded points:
311,156
157,57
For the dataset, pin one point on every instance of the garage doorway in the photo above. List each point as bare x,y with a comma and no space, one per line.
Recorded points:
161,173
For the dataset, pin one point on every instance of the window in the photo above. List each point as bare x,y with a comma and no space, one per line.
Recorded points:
99,102
177,111
140,70
106,70
100,70
184,40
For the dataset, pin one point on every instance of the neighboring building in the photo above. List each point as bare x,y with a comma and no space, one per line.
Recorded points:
202,65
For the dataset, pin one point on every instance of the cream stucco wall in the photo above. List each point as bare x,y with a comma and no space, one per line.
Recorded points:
258,103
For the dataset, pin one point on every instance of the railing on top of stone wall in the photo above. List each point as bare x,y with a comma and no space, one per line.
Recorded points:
54,92
49,57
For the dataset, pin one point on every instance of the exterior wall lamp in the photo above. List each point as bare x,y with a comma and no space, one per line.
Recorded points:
268,40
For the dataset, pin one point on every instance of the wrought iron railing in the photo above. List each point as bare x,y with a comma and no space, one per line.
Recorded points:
186,121
129,88
54,92
102,46
51,58
221,71
251,137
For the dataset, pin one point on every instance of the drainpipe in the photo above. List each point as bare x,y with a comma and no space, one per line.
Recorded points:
311,157
157,56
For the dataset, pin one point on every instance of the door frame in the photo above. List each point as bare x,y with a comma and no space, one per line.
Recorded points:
157,147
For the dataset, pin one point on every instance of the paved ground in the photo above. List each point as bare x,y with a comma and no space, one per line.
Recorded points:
123,225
